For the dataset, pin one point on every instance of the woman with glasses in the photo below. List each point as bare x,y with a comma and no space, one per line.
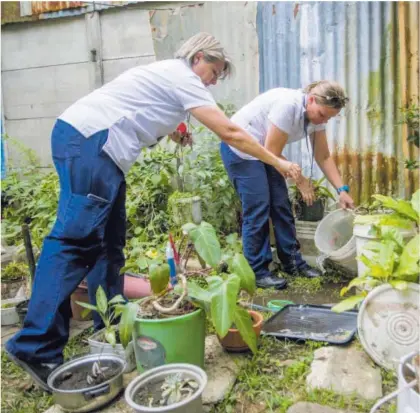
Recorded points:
274,119
94,144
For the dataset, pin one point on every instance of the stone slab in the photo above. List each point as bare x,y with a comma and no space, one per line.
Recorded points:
345,370
304,407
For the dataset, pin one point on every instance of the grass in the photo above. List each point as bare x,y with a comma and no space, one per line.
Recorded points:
20,395
275,379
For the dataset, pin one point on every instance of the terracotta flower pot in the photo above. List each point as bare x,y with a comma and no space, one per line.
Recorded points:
80,294
233,341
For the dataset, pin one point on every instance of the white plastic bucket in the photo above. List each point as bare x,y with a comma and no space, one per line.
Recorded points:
408,397
334,238
364,234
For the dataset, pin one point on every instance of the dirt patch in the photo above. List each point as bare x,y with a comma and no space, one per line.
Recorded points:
147,311
77,378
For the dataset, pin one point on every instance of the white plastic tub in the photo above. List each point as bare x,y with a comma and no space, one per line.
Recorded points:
9,316
334,238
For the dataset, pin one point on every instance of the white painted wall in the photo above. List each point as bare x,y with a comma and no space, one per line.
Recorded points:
47,65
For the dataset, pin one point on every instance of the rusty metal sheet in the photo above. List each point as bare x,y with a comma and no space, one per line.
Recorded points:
39,7
371,48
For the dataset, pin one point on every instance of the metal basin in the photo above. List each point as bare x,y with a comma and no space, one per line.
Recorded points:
92,397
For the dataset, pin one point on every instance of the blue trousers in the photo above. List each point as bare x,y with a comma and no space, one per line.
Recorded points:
87,240
263,193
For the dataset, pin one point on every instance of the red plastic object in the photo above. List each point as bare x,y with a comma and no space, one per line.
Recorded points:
182,128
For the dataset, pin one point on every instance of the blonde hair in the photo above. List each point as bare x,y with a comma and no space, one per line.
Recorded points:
211,48
328,93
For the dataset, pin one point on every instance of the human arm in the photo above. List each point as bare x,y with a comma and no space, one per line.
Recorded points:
275,142
230,133
329,168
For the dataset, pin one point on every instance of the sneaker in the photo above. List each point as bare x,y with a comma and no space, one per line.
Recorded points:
38,371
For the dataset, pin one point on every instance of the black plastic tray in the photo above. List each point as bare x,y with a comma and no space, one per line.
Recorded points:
312,322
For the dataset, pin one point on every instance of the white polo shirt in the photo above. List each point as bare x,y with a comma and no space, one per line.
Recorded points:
285,108
138,107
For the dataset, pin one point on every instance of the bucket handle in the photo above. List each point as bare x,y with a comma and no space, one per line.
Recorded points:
320,261
100,391
390,396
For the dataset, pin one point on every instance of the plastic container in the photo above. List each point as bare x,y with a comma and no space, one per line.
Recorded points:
277,305
177,339
407,393
311,213
192,404
9,315
388,323
364,234
171,262
334,238
99,347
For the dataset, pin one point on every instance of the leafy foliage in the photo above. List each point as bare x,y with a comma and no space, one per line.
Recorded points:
109,311
321,191
220,298
391,259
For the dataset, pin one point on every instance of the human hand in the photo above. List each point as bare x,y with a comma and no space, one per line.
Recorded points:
290,170
307,191
346,201
183,139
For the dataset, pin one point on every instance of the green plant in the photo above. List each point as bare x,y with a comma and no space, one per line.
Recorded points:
392,260
321,191
109,311
411,116
14,271
176,388
220,298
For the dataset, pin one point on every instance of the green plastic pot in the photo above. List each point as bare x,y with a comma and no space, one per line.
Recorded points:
171,340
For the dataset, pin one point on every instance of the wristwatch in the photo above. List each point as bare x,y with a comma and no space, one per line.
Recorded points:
343,188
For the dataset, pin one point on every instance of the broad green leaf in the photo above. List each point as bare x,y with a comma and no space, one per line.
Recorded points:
400,206
243,270
155,179
392,234
90,307
231,239
159,275
188,227
118,299
206,243
110,336
86,312
394,220
348,303
223,303
386,256
399,284
101,300
415,202
243,322
359,281
196,292
128,318
409,267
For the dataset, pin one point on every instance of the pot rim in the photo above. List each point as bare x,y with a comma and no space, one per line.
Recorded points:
74,361
136,384
257,319
165,320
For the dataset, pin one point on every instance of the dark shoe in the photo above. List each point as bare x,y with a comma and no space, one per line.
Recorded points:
307,272
38,371
271,281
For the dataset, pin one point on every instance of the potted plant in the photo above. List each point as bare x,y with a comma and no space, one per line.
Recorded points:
86,383
314,212
113,338
236,327
171,388
403,216
13,277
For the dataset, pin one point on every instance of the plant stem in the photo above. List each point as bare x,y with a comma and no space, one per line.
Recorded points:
171,309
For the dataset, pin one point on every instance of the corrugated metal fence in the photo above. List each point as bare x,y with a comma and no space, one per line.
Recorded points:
371,48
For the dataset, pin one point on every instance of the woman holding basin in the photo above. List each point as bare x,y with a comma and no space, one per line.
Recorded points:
94,144
274,119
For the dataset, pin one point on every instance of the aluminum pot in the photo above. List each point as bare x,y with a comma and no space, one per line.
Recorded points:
192,404
89,398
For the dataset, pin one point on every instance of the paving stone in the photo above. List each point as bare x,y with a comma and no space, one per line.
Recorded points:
345,370
303,407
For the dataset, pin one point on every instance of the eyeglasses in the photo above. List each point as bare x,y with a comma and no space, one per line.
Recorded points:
336,102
